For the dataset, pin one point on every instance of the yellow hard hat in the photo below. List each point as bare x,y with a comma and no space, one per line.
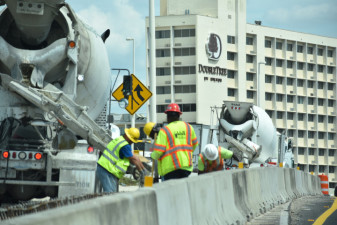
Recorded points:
148,128
133,134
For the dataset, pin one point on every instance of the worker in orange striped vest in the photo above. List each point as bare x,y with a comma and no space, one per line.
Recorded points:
212,158
174,146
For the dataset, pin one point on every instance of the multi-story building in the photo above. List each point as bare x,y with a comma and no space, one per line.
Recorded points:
206,53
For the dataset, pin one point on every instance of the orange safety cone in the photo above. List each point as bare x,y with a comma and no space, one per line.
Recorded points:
324,184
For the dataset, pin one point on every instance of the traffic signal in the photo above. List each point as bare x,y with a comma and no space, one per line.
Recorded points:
127,86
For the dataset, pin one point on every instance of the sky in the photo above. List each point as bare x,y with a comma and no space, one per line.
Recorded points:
126,18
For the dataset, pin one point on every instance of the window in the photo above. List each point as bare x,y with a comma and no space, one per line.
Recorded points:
290,64
188,107
321,169
268,79
300,134
279,97
161,108
300,65
184,70
300,99
311,134
184,89
279,80
321,135
279,115
320,51
331,136
231,56
310,50
268,61
320,68
330,70
331,152
230,39
290,116
321,153
163,71
290,98
249,40
249,59
311,117
279,62
278,45
310,67
330,86
162,53
300,117
289,47
290,81
331,169
231,74
184,33
267,44
269,96
250,76
301,151
311,101
300,48
290,133
320,101
161,90
162,34
330,103
320,85
250,94
311,151
320,119
331,119
231,92
300,83
184,51
330,53
310,84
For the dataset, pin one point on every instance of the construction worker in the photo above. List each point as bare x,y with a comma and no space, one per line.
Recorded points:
212,158
116,158
174,146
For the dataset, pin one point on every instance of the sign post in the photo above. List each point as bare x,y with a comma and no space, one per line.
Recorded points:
139,95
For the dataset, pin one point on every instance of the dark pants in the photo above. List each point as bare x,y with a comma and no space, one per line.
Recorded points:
176,174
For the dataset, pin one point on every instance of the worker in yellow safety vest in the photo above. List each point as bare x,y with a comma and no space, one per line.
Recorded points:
174,146
212,158
116,158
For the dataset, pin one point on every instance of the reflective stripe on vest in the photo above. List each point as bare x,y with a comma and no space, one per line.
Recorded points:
214,165
173,150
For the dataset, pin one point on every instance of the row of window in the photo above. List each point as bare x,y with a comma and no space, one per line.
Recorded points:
311,134
181,70
301,116
183,108
177,52
178,89
300,99
320,170
321,152
177,33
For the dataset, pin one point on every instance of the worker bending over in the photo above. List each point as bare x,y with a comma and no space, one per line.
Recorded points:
174,146
212,158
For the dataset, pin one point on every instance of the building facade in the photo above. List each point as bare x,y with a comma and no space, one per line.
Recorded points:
207,53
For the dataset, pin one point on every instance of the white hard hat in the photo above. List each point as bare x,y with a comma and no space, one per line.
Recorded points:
211,152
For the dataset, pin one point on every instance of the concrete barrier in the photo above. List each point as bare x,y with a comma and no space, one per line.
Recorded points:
226,197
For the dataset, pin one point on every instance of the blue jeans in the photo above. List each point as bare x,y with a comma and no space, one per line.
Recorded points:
108,180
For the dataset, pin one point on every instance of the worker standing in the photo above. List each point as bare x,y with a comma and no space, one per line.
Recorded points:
212,158
174,146
116,158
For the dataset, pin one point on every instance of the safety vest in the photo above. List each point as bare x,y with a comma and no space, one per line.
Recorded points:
110,158
214,165
176,142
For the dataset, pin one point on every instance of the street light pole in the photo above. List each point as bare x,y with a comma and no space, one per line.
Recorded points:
133,118
258,101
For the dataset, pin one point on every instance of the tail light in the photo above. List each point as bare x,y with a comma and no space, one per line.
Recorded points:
14,155
38,156
30,156
90,149
5,154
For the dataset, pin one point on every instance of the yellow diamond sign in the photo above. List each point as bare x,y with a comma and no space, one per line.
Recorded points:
139,95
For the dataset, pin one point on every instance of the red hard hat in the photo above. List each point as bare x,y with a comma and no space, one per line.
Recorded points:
173,107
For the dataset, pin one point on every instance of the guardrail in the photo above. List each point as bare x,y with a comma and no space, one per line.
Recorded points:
225,197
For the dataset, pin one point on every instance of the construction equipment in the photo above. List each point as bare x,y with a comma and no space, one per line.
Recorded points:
54,83
248,131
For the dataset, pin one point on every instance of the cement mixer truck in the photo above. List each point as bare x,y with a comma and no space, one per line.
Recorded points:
54,82
249,132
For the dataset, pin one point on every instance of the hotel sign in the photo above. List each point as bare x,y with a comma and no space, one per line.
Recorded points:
213,46
215,70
